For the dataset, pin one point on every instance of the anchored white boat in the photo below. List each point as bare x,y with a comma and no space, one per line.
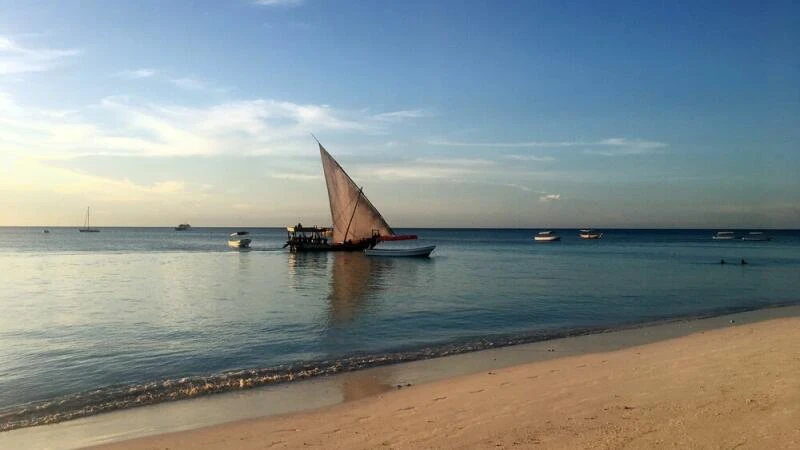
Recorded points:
419,252
724,236
590,234
546,236
237,241
756,236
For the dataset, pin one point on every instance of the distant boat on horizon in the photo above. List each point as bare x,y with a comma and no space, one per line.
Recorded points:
724,236
590,234
183,227
756,236
86,226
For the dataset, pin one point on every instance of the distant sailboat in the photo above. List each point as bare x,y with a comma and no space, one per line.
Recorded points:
357,224
86,227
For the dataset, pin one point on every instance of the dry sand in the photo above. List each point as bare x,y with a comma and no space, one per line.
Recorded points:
737,387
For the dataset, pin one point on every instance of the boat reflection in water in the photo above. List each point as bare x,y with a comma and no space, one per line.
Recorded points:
355,282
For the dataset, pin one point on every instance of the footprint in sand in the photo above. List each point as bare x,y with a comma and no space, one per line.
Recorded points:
475,392
407,408
439,398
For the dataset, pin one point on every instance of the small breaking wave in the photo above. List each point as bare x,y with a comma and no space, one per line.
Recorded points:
121,397
114,398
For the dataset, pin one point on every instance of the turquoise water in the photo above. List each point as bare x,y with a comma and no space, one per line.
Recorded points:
91,322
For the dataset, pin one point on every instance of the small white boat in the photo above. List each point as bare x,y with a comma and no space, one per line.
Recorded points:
724,236
546,236
237,241
420,252
756,236
590,234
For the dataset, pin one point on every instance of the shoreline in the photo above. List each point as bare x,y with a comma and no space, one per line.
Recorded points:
148,394
344,388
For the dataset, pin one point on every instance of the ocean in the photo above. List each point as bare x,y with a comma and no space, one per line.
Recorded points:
93,322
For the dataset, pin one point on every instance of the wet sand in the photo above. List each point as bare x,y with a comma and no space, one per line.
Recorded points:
734,387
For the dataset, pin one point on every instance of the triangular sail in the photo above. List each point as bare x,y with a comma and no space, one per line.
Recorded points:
353,215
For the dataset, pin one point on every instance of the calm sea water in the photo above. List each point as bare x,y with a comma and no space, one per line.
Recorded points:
91,322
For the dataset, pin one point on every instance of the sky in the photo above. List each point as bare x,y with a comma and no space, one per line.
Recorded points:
448,113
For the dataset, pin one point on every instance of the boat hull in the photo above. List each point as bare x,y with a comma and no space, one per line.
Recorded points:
239,243
89,230
547,238
420,252
301,246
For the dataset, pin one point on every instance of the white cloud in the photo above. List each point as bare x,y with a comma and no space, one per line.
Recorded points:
15,58
278,2
138,73
550,197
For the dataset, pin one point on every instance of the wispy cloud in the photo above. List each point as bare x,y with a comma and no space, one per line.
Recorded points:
456,162
295,176
399,116
138,73
622,146
193,84
16,58
518,186
526,144
427,168
605,147
550,197
131,127
279,2
530,158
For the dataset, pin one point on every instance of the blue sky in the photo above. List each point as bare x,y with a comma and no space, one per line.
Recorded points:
517,114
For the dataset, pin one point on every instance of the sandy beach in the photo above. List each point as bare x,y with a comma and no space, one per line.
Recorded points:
735,387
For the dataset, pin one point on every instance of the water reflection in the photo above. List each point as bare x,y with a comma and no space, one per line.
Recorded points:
354,279
306,269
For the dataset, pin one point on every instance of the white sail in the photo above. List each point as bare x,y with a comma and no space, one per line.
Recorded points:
354,217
